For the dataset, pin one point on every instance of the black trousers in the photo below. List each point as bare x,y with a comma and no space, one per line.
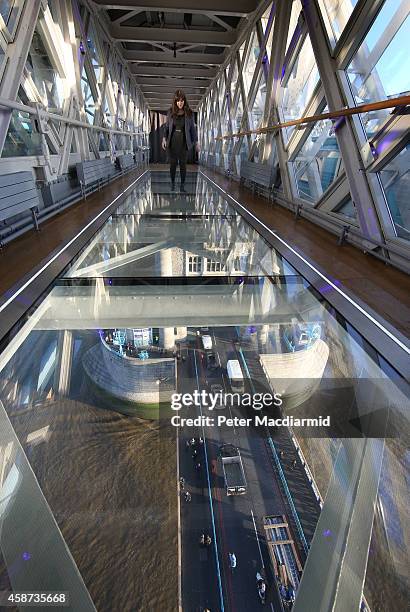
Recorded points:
178,153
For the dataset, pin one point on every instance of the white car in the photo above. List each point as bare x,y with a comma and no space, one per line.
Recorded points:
207,343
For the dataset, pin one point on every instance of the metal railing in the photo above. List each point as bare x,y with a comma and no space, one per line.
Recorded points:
343,112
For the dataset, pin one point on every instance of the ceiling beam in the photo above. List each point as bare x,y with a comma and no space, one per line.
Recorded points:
141,69
200,37
182,83
164,91
205,59
161,97
220,21
125,17
239,8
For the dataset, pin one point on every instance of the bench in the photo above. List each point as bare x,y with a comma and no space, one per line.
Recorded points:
18,194
140,154
93,172
125,162
257,175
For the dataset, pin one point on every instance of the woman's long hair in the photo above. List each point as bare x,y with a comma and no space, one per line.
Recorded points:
179,95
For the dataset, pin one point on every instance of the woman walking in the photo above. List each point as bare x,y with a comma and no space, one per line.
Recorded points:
179,136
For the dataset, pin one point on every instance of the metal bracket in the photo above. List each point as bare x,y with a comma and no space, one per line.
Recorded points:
343,236
299,207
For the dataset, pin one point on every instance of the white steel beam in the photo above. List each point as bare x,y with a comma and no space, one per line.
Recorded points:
240,8
200,37
163,81
205,59
170,71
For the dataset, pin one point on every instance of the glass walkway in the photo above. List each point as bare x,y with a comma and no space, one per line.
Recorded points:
110,462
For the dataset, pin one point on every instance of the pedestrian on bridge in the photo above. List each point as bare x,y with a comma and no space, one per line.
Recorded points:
180,136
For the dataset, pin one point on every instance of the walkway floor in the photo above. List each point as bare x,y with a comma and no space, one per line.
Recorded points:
383,288
20,258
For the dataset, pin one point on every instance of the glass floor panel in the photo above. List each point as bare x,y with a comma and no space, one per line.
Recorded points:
150,245
154,309
199,199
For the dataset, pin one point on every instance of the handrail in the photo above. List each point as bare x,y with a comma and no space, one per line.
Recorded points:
40,112
343,112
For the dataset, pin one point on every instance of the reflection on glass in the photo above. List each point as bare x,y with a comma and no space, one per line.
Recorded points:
294,16
251,61
336,14
395,178
9,10
242,154
265,23
318,163
21,140
48,82
379,70
237,119
347,209
256,113
94,55
84,386
89,102
300,86
221,90
233,77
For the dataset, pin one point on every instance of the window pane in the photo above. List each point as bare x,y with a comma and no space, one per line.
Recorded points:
300,86
395,178
243,154
9,10
21,140
336,14
265,23
379,69
221,87
238,116
251,61
318,162
48,82
256,113
89,103
347,209
234,77
294,16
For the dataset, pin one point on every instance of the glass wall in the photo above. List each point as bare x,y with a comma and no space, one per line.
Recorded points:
248,70
57,76
45,77
361,65
379,69
299,85
318,163
21,139
336,14
395,178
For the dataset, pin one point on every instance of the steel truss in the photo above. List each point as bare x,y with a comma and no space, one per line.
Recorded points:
235,103
76,95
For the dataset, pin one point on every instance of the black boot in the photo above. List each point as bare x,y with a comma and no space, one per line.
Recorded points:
182,188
